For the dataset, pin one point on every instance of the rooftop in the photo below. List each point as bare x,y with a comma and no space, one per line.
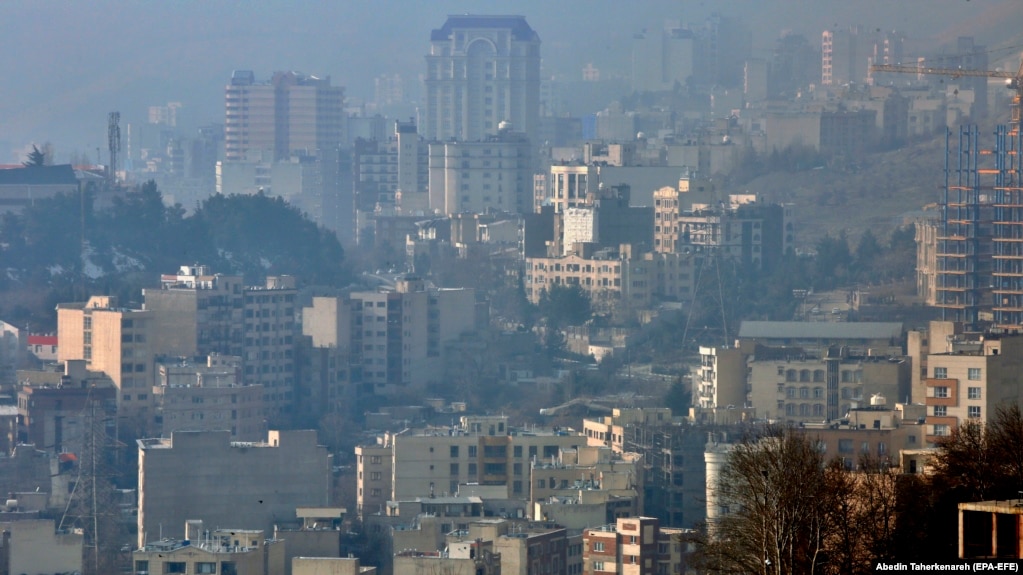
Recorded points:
820,330
63,174
520,29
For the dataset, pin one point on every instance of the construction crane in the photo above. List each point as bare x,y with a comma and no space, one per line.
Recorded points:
1015,81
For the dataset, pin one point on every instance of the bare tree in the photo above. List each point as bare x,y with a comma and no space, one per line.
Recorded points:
782,499
964,462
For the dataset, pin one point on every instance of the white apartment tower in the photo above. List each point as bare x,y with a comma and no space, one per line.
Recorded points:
481,71
291,114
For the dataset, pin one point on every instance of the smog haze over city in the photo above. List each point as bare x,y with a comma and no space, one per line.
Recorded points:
69,63
695,287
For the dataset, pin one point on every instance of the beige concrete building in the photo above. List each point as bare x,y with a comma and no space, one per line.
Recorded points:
970,380
374,475
56,409
671,202
205,474
270,328
329,566
199,312
859,338
207,397
720,379
290,113
609,431
584,471
542,547
34,546
396,336
571,186
798,390
632,546
116,341
315,533
435,461
218,551
490,174
473,558
876,432
613,278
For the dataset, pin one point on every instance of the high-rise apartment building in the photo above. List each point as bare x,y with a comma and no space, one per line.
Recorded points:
491,174
394,338
968,377
292,113
114,340
845,54
481,71
200,312
434,461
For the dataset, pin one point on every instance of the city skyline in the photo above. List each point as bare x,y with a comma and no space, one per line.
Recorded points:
77,62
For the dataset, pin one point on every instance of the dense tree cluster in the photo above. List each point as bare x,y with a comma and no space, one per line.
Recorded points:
67,248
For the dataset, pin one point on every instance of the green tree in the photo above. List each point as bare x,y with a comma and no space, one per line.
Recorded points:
36,158
565,305
832,261
677,398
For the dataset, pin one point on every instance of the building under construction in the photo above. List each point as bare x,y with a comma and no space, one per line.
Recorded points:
980,237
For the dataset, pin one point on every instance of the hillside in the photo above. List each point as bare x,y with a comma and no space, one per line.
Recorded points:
873,193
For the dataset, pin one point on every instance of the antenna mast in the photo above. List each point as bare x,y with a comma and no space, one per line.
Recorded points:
114,142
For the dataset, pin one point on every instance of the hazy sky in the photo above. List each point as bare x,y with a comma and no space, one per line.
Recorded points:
66,64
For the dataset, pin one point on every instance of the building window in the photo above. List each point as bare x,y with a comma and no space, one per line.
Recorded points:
454,469
941,392
941,372
205,567
174,567
973,374
940,411
973,393
598,546
454,451
845,446
941,430
598,565
973,412
472,451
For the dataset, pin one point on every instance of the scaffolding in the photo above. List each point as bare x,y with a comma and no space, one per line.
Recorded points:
1007,244
980,243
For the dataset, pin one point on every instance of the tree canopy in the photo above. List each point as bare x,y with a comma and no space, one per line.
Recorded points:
63,241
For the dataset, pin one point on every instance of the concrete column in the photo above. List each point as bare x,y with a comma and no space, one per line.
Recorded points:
994,535
962,537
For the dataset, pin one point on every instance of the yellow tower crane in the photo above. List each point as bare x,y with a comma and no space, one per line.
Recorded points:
1015,81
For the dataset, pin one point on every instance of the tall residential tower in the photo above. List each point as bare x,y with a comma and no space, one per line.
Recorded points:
481,71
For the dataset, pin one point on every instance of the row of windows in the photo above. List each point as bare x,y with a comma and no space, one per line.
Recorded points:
943,392
972,373
972,411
